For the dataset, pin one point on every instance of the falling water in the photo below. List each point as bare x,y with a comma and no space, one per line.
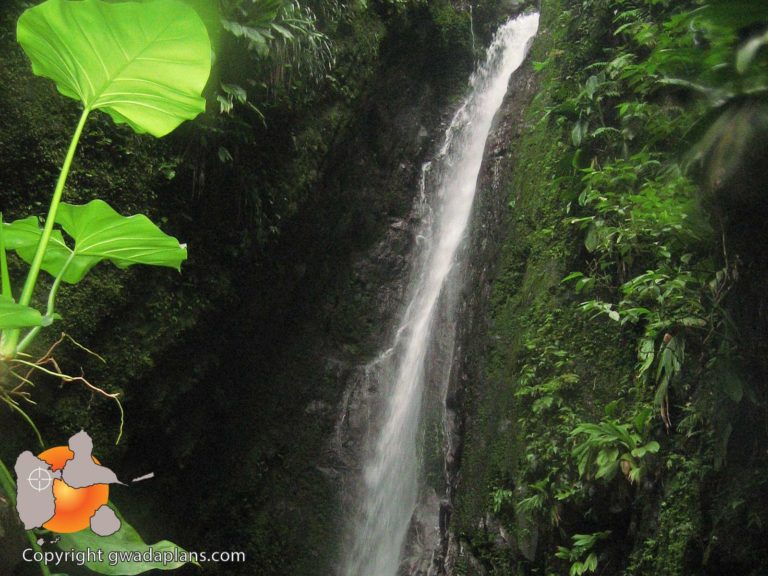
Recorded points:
392,473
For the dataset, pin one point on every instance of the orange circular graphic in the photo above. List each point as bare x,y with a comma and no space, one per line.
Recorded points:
74,506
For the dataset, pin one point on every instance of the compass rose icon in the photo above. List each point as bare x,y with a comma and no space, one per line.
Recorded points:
40,479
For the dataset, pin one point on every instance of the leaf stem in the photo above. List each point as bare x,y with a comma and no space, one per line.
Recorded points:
51,306
6,279
9,347
9,487
29,285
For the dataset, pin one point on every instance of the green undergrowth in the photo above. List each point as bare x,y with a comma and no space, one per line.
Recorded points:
613,402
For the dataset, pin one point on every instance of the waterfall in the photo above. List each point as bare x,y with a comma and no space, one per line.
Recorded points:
448,190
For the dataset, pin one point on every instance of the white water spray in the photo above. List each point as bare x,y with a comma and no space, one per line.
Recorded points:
392,474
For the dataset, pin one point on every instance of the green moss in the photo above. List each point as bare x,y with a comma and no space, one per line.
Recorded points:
547,366
537,336
674,545
453,26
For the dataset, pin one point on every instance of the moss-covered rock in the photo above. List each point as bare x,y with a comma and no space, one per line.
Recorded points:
536,366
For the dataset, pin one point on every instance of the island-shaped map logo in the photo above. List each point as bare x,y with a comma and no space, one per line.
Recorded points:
65,489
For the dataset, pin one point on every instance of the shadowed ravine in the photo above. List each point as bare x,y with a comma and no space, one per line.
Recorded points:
392,471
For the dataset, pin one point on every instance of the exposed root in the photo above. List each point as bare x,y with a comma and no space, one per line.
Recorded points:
83,348
48,365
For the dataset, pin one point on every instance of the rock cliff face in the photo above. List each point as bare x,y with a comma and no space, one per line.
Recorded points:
294,398
427,549
487,234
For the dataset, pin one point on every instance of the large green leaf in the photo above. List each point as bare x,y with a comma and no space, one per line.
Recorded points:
145,64
14,315
23,236
125,541
100,234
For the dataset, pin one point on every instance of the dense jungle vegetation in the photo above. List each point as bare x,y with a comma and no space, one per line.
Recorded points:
615,416
627,321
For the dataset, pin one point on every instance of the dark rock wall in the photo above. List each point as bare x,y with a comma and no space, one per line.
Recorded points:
487,234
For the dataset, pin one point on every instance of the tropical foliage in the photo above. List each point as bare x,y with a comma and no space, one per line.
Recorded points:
664,126
128,61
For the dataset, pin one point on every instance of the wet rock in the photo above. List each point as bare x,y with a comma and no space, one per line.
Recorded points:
486,233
